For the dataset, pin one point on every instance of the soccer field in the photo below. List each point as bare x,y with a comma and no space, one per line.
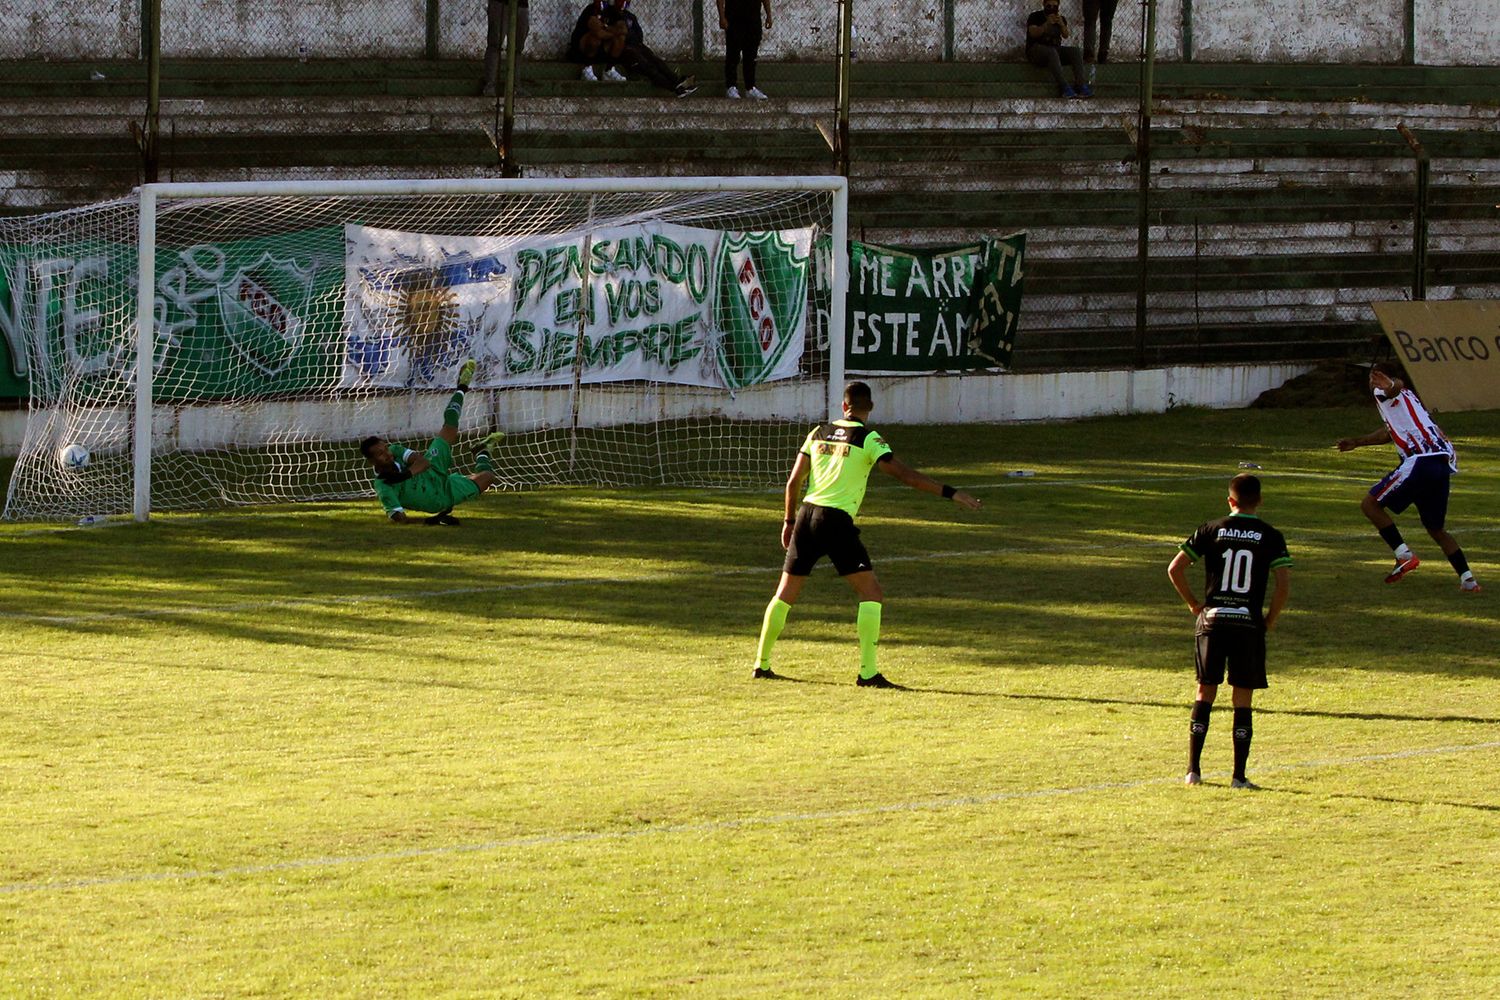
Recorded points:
296,751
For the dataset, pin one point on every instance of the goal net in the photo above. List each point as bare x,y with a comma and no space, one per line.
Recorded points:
627,332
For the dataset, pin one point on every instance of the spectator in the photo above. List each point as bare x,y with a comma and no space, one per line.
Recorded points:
740,22
597,41
1102,12
637,56
499,24
1045,31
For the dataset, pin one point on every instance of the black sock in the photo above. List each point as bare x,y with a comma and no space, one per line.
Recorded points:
1458,562
1197,733
1242,733
1392,536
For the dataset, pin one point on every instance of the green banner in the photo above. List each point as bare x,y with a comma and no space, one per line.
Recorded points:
248,317
933,309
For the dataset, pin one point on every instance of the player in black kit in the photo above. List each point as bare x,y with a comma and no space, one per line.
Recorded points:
1240,552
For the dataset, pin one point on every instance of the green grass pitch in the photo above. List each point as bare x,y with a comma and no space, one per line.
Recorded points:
294,751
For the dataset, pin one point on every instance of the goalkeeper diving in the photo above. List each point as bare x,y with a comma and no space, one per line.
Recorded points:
421,480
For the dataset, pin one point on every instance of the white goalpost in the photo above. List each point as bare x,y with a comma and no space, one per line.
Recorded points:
206,345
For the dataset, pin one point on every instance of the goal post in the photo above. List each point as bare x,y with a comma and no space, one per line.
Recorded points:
628,330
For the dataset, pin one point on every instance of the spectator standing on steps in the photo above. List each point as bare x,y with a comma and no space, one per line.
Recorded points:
1100,14
499,24
741,23
1045,31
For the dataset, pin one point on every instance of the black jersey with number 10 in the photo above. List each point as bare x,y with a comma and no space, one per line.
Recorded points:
1238,553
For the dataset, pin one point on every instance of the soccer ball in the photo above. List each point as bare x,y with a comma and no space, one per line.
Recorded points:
74,456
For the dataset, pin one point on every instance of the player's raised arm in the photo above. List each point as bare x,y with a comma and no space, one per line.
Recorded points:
893,466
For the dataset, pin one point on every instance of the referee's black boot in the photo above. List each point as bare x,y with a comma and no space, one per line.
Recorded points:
875,681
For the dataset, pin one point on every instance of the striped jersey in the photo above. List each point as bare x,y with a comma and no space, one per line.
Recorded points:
1412,428
842,453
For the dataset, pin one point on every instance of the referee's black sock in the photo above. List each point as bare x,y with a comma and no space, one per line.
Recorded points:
1458,562
1197,733
1392,536
1242,733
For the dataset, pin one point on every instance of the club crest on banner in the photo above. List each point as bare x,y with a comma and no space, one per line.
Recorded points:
761,305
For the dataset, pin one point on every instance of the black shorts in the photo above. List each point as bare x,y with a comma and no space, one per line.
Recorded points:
1243,650
825,531
1420,480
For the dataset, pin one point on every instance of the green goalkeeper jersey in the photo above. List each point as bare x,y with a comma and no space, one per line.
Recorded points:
429,491
842,454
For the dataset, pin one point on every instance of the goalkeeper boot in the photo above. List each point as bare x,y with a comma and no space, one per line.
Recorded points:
766,674
466,373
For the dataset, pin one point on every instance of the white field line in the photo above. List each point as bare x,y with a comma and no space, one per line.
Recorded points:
663,576
710,826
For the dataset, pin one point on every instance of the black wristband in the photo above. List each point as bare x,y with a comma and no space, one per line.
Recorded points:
791,520
948,492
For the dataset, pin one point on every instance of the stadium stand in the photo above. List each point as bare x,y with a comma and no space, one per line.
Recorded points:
1282,195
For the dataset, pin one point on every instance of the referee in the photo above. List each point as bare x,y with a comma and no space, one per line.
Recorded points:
1240,553
835,463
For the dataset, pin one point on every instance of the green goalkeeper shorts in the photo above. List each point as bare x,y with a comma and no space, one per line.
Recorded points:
461,489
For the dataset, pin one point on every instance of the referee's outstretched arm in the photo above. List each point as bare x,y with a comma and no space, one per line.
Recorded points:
893,466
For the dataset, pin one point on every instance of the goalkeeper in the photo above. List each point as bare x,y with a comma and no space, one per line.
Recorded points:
422,481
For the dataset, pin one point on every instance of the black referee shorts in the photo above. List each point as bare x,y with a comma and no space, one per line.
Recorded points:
1241,650
825,531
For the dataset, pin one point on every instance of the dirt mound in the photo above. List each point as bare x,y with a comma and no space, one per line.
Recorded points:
1332,383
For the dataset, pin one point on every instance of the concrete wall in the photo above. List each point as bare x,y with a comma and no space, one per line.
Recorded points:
1448,32
1298,31
974,399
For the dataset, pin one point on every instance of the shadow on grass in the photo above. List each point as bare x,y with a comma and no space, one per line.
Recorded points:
1384,799
1042,578
1182,706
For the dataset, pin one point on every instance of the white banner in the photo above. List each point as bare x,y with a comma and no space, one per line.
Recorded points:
658,302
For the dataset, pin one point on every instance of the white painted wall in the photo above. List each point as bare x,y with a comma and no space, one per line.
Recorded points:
1311,31
1458,32
70,29
972,399
1448,32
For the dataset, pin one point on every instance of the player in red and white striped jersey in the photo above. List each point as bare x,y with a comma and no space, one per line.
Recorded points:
1427,462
